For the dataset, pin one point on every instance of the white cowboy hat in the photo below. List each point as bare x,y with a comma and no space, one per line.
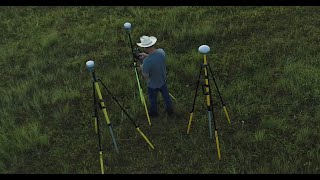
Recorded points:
147,41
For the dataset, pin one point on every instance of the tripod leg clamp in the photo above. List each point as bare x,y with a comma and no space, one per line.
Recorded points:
204,90
101,107
204,65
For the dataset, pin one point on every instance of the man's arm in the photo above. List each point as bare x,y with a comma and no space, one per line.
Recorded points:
164,58
145,75
140,68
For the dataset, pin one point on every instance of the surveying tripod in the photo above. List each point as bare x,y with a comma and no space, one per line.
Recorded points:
96,89
204,49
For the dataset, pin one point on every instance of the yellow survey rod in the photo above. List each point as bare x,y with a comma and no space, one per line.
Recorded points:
100,151
95,118
206,79
141,94
102,103
106,114
97,128
127,27
208,94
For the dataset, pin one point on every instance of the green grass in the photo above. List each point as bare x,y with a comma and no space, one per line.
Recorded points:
265,61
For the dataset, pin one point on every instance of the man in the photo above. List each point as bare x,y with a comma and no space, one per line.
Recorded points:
154,71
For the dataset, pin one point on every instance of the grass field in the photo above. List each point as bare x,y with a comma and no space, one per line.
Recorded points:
265,59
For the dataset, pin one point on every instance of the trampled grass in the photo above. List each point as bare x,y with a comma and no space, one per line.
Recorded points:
265,61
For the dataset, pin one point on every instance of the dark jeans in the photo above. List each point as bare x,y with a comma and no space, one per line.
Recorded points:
153,98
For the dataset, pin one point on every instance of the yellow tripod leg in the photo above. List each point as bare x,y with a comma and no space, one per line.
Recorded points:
227,115
194,101
217,142
95,125
224,107
101,158
189,124
101,163
145,137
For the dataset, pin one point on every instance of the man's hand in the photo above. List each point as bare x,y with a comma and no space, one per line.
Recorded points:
142,56
139,67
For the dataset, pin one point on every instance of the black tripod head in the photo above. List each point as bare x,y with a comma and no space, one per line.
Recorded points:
136,52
